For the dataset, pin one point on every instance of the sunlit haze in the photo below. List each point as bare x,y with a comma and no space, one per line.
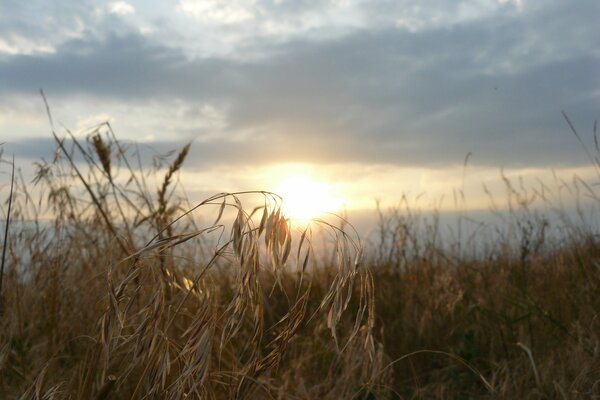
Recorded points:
336,104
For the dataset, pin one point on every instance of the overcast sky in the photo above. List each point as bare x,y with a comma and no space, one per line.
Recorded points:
379,97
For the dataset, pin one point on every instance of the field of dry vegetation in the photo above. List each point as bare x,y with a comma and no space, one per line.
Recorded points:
114,286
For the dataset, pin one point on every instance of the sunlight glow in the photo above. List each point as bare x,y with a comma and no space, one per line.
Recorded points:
305,198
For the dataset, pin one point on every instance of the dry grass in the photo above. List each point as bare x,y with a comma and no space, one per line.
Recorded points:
122,294
115,288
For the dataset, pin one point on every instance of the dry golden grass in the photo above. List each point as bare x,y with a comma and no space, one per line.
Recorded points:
114,290
116,297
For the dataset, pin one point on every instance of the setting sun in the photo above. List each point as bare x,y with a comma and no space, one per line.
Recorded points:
305,198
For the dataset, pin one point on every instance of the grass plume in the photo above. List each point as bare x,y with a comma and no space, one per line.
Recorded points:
103,152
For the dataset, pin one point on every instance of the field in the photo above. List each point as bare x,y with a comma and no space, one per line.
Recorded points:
114,286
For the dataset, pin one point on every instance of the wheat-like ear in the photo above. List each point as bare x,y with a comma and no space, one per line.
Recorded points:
162,192
103,152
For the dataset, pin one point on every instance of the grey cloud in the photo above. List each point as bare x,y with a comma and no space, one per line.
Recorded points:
494,86
31,149
122,67
425,151
47,23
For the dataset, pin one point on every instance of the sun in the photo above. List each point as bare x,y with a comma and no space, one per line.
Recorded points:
305,198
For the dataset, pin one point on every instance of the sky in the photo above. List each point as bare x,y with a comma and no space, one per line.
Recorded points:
368,99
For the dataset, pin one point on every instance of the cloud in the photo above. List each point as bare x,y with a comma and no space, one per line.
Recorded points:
16,44
219,12
493,83
38,27
121,8
241,20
